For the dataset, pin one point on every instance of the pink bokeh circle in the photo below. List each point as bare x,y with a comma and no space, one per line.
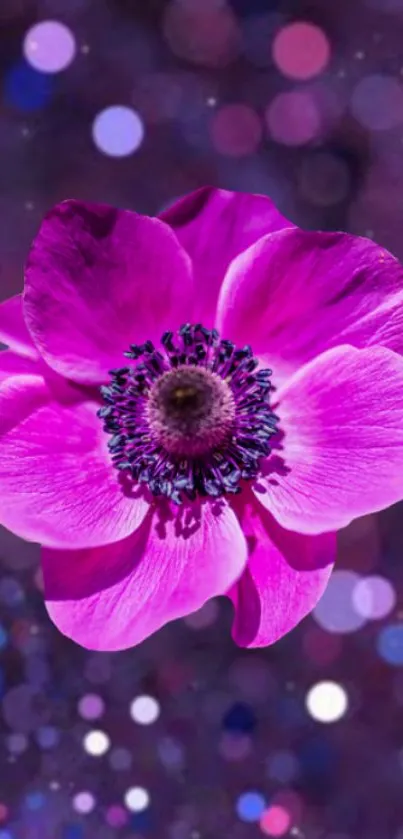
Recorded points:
301,50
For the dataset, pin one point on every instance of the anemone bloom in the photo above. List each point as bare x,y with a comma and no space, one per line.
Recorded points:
192,406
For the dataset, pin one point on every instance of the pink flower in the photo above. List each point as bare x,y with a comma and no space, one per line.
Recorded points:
147,528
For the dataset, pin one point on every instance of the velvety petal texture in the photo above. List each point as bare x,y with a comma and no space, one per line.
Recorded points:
13,330
113,597
286,575
296,293
214,226
99,279
58,484
340,452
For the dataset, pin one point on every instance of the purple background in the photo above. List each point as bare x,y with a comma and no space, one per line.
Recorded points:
216,96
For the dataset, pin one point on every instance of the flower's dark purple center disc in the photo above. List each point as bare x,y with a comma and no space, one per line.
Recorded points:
190,411
194,419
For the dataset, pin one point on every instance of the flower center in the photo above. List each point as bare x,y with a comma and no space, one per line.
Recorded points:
190,411
194,419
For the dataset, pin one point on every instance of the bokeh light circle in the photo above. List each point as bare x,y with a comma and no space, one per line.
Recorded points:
84,802
250,806
137,799
49,46
275,821
390,644
301,50
327,702
91,706
144,710
96,743
335,611
236,130
374,597
377,102
293,118
118,131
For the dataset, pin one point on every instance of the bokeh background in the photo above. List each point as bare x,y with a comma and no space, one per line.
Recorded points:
134,102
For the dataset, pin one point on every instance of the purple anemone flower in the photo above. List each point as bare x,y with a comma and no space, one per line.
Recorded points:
192,406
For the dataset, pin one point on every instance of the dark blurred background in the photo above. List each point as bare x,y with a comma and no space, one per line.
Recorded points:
133,103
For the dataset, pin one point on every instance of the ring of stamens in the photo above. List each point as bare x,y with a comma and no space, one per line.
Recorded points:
192,420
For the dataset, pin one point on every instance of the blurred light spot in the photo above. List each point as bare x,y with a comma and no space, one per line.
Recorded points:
335,611
324,179
137,799
240,718
301,50
171,753
116,816
96,743
293,118
234,747
118,131
236,130
250,806
275,821
377,102
47,737
49,46
202,32
35,801
327,702
322,648
11,592
17,743
144,710
91,706
374,597
3,637
282,766
84,802
204,617
120,759
390,644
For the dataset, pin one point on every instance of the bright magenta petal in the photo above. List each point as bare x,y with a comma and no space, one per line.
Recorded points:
57,483
99,279
286,575
296,293
214,226
340,455
13,331
113,597
12,364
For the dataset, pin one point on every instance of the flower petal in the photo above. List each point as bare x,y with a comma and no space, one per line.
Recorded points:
286,575
99,279
13,331
341,451
57,483
296,293
11,364
113,597
214,226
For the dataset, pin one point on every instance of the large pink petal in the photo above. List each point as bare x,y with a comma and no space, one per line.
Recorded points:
340,452
286,575
57,483
12,364
113,597
214,226
13,331
296,293
99,279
